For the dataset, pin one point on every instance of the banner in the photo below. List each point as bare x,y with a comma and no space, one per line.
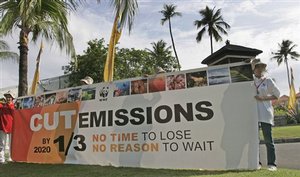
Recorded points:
292,98
36,76
203,118
108,73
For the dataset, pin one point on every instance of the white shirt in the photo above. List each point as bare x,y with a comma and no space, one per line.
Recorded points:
266,87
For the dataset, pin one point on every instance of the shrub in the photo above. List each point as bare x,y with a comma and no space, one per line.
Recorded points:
280,111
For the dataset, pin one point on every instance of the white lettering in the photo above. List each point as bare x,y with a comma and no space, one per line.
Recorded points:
68,117
49,122
35,127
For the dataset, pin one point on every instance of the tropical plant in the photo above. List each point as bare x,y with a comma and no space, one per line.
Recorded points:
212,22
161,55
38,18
129,62
286,49
168,13
128,10
5,54
89,63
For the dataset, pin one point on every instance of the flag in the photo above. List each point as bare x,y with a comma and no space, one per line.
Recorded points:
36,76
114,38
292,98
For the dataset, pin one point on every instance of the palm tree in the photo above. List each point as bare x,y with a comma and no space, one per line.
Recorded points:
162,54
38,18
128,9
168,13
212,22
5,54
285,49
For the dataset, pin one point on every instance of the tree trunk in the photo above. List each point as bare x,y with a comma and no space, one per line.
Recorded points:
211,44
170,28
23,65
288,71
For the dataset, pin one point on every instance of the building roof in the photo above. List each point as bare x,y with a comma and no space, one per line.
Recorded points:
230,49
284,99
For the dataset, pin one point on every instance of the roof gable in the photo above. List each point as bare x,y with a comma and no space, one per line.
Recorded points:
230,50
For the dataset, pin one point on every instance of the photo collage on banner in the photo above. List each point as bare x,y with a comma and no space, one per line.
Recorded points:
156,83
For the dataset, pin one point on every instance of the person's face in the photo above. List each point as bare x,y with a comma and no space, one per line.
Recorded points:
9,98
259,70
83,83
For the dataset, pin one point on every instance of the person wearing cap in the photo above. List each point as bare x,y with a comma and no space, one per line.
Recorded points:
6,120
86,81
159,70
266,90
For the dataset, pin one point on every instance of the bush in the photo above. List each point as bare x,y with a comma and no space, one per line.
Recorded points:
298,118
291,120
283,111
280,111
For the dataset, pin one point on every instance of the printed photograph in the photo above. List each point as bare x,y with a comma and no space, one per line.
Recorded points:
19,104
121,88
74,95
28,102
157,83
49,99
139,86
218,76
39,101
88,94
175,82
2,100
241,73
196,79
61,97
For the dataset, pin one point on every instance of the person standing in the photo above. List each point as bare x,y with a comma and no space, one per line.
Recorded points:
86,81
6,120
266,90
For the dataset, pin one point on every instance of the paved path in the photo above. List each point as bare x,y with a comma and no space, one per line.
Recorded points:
287,154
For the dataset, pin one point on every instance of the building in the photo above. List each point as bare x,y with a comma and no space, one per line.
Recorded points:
53,83
231,54
283,101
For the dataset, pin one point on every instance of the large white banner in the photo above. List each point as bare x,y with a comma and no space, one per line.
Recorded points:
204,118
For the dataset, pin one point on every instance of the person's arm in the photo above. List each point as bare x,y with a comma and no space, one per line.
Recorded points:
11,105
266,98
273,91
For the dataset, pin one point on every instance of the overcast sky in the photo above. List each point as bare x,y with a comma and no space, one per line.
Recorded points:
260,24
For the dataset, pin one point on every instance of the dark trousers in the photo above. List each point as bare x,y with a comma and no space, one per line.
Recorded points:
267,133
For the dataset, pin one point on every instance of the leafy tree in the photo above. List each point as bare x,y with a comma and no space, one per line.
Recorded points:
168,13
161,56
212,22
286,49
5,54
132,63
38,18
91,63
129,62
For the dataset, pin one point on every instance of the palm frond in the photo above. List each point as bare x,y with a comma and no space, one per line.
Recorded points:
168,12
127,9
5,54
213,20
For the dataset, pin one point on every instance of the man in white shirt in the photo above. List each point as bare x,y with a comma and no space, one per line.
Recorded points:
266,91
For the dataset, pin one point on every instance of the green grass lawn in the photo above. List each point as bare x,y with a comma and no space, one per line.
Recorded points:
15,169
285,132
